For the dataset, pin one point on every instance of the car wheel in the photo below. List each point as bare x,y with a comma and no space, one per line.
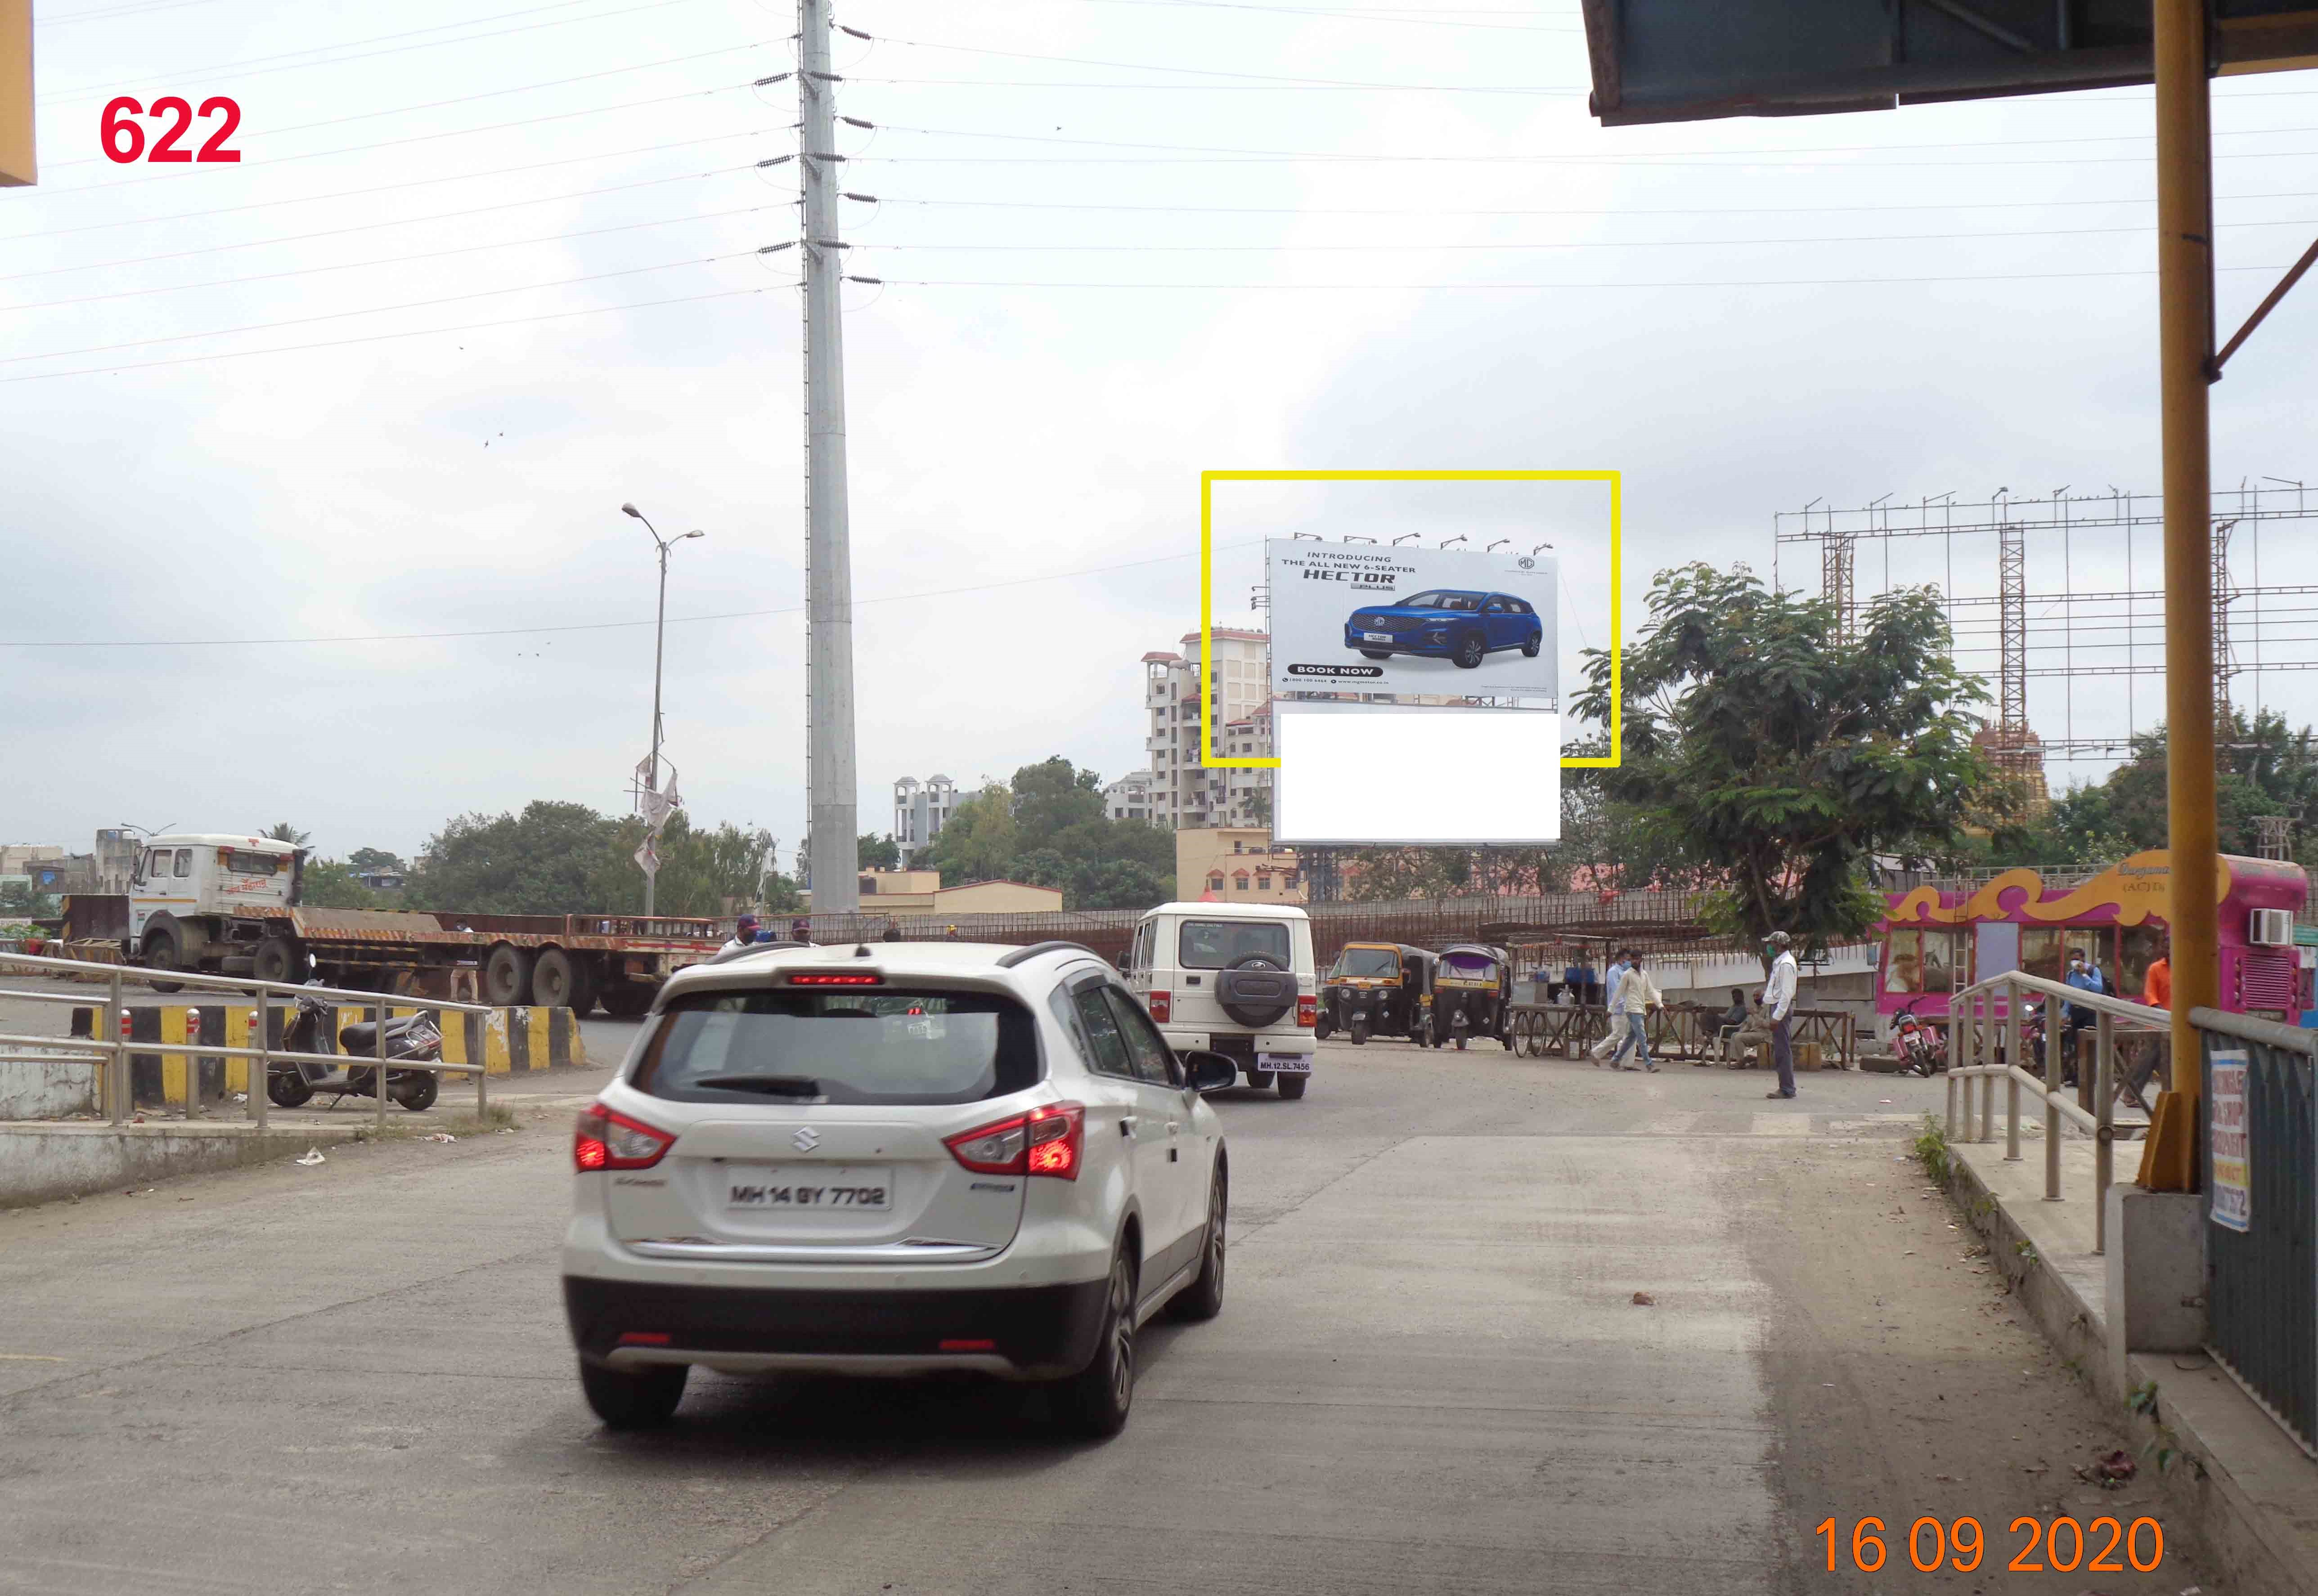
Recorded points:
1470,651
1375,653
1532,646
1203,1298
1259,1078
634,1401
1322,1029
1293,1087
1093,1403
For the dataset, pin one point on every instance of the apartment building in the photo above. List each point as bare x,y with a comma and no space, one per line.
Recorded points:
1235,864
1129,797
1186,791
921,810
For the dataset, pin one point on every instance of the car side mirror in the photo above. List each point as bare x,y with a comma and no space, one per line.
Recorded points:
1208,1071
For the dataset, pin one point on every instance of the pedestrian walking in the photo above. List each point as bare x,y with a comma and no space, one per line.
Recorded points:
1635,997
1778,1004
1616,1025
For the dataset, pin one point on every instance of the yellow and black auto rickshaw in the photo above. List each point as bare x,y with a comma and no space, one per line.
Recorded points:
1379,989
1472,994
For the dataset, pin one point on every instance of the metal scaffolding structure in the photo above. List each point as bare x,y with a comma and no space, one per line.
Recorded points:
2061,632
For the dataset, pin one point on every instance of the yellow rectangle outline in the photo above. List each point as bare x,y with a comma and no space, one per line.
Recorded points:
1208,479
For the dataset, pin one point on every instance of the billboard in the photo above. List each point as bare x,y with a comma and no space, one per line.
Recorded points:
1362,774
1371,618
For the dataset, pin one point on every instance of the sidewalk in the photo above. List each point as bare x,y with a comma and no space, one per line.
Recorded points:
2240,1484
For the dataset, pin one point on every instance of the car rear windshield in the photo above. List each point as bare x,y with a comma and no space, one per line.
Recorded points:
1211,945
1368,961
784,1046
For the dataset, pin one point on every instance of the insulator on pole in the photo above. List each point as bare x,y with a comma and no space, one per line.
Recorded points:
856,32
776,160
776,248
865,199
775,77
879,281
856,122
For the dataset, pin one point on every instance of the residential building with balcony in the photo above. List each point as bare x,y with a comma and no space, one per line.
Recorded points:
921,810
1186,790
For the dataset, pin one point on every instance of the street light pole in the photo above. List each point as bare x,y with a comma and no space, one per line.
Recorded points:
660,651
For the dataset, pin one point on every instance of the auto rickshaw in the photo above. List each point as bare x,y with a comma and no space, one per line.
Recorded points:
1472,994
1379,989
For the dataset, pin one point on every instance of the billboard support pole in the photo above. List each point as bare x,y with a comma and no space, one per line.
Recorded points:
2185,297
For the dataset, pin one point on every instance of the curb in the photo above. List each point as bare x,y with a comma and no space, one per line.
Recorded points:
46,1163
2261,1550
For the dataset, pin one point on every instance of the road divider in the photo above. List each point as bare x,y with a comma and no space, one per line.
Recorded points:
504,1040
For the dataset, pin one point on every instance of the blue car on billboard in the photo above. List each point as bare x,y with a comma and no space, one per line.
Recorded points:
1446,623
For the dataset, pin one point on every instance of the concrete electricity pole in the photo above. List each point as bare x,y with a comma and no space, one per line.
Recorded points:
830,780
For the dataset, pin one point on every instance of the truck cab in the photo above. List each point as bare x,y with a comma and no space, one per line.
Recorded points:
209,902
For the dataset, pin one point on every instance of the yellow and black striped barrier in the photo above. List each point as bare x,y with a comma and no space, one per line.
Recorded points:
505,1041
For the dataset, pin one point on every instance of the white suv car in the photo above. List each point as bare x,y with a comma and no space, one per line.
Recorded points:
893,1158
1237,979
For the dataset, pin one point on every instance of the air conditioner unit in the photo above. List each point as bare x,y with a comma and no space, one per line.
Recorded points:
2271,927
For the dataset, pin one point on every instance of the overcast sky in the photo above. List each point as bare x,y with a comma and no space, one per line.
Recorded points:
485,271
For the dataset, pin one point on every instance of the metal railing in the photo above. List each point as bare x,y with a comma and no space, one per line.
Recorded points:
112,1052
1984,1048
2259,1111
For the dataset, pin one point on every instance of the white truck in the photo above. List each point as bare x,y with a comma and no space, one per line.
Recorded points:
230,906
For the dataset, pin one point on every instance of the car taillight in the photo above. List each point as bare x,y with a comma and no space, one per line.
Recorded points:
1307,1011
607,1139
1049,1141
1160,1005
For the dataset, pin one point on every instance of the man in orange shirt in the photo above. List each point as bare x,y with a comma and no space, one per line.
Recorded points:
2157,991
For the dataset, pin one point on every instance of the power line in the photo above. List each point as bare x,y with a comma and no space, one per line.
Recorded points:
369,226
1739,156
1365,13
1519,244
416,332
392,260
1738,162
1016,55
1553,287
794,609
243,67
1608,211
260,327
1295,86
525,88
382,188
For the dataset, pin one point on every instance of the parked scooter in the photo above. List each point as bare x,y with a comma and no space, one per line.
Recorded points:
291,1084
1923,1048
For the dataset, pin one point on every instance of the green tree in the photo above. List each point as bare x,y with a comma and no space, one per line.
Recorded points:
544,861
979,841
1051,797
880,853
283,831
375,858
330,883
1766,751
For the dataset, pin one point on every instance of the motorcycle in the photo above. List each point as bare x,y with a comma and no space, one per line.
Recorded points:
1924,1047
291,1084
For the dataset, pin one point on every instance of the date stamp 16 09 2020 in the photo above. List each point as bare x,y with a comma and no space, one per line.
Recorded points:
2063,1545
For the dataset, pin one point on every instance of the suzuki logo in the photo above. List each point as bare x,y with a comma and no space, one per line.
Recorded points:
806,1139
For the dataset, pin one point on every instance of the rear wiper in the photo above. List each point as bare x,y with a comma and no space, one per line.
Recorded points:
774,1086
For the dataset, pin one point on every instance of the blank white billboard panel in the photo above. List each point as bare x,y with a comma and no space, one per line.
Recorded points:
1356,775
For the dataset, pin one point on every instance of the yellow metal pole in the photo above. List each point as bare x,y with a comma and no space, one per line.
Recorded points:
2185,297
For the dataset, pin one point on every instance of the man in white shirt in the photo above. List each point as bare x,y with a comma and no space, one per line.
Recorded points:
1636,996
1610,979
744,934
1778,1006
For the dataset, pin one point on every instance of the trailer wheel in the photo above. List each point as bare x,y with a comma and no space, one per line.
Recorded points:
506,976
278,958
587,981
555,978
624,999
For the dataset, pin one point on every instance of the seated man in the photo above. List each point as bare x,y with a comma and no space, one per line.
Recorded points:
1755,1030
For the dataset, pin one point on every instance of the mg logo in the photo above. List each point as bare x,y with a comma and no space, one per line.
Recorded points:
1526,564
806,1139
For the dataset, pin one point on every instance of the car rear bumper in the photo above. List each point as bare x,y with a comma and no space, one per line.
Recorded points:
1015,1333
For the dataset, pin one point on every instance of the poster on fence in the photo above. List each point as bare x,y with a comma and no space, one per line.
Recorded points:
2228,1177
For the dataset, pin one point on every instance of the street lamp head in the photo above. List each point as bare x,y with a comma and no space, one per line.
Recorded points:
694,532
632,510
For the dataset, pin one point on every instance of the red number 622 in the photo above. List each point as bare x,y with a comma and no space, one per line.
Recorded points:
124,139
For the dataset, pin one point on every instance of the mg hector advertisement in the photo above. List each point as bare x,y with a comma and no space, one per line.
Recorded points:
1366,618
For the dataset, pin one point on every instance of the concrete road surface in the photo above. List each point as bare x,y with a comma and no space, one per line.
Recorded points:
1431,1373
